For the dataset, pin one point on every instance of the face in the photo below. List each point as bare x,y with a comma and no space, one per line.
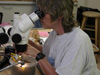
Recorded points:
47,23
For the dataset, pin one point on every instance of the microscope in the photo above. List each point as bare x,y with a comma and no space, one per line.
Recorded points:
3,36
22,27
19,32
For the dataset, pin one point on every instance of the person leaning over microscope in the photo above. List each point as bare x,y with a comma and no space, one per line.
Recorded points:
68,50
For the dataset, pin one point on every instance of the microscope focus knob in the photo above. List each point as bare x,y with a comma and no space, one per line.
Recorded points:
3,38
16,38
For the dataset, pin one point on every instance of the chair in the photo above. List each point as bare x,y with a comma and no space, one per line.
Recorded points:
84,26
95,28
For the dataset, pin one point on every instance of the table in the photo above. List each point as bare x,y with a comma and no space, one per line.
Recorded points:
8,72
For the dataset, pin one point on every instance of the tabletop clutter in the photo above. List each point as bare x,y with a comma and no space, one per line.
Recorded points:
25,65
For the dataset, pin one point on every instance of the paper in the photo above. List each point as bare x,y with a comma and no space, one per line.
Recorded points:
43,34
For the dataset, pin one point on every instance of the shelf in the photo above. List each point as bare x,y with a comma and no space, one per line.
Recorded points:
17,2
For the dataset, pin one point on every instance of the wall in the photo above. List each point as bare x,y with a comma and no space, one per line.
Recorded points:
82,2
93,4
8,9
89,3
17,0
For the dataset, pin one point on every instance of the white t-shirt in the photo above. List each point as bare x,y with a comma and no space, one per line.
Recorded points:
71,53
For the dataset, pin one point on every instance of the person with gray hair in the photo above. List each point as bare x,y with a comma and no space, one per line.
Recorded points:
68,50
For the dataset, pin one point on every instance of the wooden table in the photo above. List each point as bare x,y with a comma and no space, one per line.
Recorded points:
8,72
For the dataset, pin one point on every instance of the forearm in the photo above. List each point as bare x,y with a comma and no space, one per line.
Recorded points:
39,47
46,67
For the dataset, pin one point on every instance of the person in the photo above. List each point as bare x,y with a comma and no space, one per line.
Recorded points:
68,49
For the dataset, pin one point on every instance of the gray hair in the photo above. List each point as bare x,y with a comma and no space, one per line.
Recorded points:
57,8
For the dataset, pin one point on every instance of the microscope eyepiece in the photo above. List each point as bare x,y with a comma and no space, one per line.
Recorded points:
39,13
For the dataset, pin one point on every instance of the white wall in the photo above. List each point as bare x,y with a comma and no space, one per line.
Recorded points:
90,3
9,7
82,2
93,4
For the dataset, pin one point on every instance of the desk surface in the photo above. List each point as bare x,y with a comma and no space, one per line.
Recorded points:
8,72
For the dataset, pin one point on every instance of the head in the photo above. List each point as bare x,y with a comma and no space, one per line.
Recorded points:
59,8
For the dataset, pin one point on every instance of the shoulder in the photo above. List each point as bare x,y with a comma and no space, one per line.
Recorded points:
79,35
79,40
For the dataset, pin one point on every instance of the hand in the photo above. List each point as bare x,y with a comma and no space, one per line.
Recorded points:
31,51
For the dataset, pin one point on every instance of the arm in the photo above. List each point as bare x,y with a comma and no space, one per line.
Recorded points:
46,67
39,47
44,64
